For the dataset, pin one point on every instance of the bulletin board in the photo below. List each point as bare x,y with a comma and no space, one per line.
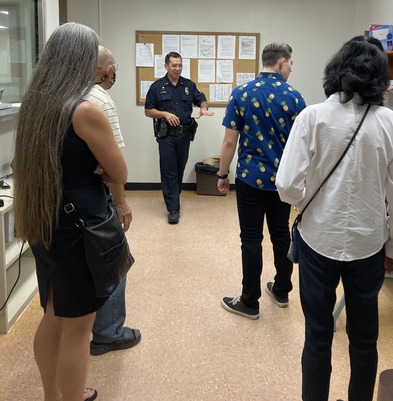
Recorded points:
240,65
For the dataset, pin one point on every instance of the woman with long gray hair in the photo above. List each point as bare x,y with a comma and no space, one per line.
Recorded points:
59,143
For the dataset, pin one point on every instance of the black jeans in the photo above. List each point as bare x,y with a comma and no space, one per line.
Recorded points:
362,279
252,205
173,159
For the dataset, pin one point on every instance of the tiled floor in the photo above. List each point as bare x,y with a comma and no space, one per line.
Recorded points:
191,348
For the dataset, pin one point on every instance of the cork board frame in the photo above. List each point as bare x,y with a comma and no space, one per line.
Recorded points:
239,65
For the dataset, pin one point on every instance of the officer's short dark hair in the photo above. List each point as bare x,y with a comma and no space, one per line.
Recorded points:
171,54
274,51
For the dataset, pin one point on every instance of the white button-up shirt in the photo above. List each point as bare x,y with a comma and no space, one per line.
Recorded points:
347,220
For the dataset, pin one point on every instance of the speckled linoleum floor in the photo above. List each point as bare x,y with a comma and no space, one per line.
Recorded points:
191,348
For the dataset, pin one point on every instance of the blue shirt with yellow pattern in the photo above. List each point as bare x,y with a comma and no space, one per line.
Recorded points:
263,111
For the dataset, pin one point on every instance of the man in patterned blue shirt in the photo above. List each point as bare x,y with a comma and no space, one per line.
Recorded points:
259,117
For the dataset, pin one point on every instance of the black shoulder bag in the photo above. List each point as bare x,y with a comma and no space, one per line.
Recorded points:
293,252
107,252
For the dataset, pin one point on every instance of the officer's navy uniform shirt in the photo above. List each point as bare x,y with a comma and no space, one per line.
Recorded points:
178,100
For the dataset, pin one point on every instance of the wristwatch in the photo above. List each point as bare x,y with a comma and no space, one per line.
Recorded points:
222,177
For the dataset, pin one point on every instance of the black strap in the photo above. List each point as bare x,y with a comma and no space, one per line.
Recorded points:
70,207
299,217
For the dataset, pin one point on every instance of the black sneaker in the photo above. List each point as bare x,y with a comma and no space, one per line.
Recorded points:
236,305
281,302
173,217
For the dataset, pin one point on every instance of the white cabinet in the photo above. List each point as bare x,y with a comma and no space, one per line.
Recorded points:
11,265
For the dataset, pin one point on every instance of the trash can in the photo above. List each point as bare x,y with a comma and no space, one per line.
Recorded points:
385,390
206,179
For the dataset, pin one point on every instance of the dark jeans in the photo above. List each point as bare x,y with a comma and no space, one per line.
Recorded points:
173,159
252,205
362,279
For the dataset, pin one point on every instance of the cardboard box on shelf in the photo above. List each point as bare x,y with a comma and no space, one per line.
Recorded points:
212,161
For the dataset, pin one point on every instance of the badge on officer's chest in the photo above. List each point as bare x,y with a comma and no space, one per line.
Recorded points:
163,90
187,92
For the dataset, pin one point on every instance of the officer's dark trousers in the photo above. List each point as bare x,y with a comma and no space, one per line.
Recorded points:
173,159
362,279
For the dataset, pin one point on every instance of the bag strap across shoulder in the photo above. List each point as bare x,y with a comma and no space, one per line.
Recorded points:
299,217
70,207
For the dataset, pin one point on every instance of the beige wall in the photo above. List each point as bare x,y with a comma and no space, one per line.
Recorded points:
314,28
50,16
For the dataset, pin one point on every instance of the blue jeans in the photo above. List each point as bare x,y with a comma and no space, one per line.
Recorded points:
252,205
362,279
108,325
173,159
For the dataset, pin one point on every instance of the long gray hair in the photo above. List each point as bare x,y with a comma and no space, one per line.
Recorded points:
63,75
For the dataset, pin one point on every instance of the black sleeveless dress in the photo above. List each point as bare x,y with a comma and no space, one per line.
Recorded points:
63,267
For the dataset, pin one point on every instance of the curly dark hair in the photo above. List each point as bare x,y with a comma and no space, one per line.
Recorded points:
360,66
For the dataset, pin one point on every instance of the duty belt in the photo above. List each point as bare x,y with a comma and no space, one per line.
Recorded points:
176,131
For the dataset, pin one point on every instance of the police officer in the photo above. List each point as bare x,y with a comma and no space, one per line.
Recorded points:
169,102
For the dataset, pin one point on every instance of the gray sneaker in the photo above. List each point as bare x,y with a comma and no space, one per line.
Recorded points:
236,305
281,302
